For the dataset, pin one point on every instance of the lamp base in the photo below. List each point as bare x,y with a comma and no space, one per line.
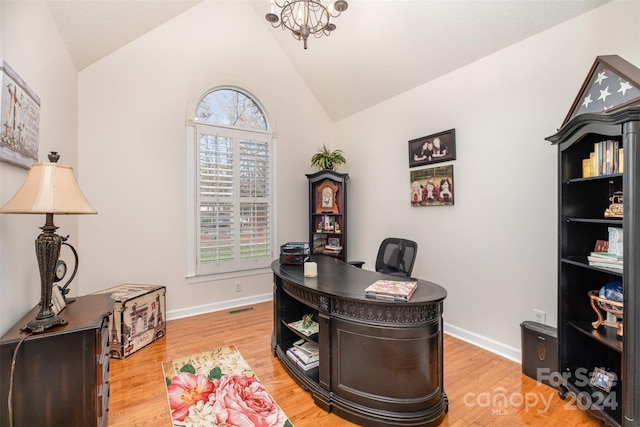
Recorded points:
39,325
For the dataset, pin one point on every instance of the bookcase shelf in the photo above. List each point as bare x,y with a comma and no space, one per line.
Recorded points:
328,212
581,206
313,337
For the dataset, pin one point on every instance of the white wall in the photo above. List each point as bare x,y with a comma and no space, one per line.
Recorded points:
31,45
132,147
495,249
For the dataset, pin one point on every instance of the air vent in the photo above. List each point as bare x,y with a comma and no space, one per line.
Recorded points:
241,310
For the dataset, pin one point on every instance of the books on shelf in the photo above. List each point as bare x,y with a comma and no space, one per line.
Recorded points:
605,260
332,250
305,328
394,290
299,362
605,159
304,356
601,246
308,347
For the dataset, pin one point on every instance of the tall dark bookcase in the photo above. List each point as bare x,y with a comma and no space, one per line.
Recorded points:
583,198
328,212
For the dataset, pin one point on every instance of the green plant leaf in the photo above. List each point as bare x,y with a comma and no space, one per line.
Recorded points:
188,368
215,373
327,159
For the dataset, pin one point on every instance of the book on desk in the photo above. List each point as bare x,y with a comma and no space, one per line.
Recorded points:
391,290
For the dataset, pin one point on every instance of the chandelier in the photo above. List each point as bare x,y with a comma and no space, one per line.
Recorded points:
306,17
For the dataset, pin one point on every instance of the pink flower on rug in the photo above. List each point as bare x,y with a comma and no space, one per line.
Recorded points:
187,389
243,401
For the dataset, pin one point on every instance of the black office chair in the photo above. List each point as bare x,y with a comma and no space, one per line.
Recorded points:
396,256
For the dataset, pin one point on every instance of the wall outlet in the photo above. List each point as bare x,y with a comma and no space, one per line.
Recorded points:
539,316
238,287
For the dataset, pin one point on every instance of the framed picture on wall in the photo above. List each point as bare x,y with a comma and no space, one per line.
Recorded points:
436,148
432,186
20,112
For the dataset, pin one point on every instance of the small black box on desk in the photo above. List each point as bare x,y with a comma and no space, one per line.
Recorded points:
294,253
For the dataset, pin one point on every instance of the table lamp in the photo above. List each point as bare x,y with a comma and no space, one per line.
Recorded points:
49,189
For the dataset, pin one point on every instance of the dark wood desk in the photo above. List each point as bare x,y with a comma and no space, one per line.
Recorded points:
381,362
61,376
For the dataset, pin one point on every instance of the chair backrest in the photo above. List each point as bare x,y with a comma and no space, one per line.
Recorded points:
396,256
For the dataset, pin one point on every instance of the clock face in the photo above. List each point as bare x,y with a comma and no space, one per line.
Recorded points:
327,197
61,270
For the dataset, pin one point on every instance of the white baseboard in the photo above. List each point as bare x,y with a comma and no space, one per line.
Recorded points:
488,344
224,305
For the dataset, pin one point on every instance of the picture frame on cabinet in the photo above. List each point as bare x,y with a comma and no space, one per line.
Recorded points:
333,241
602,379
436,148
432,186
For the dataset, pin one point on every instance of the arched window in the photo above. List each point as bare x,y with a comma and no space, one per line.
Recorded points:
234,157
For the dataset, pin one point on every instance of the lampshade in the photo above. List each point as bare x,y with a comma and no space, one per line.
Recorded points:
49,188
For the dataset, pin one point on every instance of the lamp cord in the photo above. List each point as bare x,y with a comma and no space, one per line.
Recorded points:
13,365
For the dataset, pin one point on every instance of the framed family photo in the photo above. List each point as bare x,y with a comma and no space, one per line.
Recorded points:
432,186
436,148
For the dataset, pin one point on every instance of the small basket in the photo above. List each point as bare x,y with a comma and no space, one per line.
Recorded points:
602,305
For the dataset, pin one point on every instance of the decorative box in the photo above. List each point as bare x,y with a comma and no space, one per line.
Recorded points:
138,317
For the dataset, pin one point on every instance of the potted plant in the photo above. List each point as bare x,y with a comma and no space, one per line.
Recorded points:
327,159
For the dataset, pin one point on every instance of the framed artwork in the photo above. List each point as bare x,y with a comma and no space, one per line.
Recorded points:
602,379
436,148
432,186
20,118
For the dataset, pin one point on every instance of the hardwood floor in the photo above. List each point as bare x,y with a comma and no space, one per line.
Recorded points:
483,389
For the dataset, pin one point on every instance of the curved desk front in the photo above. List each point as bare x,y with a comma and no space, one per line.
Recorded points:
381,362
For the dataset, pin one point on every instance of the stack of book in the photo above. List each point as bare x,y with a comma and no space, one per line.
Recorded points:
305,354
332,250
393,290
605,260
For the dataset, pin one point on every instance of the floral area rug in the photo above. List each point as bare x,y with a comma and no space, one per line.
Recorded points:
218,388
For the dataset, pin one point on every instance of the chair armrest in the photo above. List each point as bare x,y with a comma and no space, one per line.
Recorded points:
356,263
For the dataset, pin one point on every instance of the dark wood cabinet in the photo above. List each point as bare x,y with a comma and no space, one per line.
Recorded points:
61,376
328,212
584,348
381,362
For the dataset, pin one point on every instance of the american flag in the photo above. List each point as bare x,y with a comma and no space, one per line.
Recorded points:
606,90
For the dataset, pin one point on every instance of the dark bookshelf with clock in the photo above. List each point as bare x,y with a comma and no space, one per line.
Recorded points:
598,193
328,213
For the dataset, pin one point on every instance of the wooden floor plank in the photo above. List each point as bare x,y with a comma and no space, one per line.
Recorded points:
483,389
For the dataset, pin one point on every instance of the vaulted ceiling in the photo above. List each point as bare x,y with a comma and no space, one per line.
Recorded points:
394,45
